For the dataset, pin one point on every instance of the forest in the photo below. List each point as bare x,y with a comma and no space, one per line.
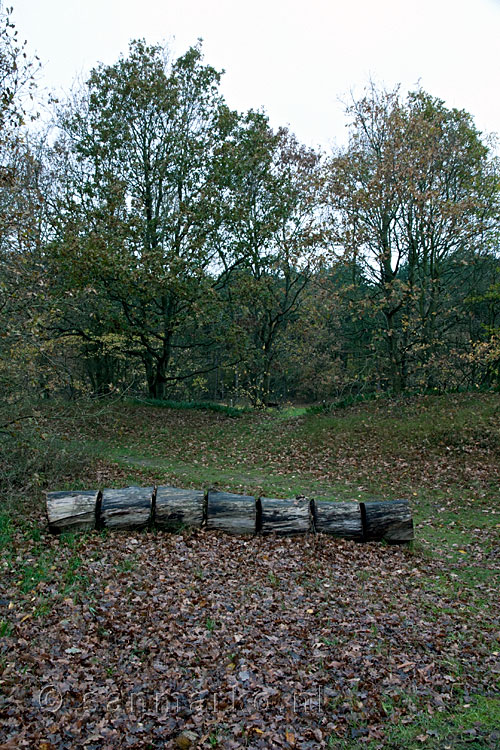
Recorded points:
155,242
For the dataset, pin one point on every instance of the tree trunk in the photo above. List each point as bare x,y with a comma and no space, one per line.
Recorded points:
284,516
177,509
235,514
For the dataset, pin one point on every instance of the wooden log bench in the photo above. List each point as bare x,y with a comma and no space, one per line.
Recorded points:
173,509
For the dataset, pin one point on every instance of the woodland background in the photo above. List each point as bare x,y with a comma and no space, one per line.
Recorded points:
157,243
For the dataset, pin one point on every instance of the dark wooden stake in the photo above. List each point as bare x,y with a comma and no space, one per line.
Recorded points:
129,508
177,509
235,514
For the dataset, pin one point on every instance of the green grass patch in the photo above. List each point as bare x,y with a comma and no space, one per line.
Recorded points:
230,411
464,726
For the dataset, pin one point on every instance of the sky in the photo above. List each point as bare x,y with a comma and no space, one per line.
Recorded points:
300,60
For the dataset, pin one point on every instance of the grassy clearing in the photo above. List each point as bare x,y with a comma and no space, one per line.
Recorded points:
441,452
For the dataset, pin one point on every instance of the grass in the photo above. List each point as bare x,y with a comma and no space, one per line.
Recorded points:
475,725
231,411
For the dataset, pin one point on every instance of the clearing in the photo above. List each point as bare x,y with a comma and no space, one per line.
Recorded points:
126,641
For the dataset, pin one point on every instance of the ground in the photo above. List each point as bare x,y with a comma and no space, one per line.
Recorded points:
113,640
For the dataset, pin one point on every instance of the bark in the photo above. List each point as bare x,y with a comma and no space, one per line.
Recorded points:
390,520
128,508
338,519
235,514
284,517
72,511
176,509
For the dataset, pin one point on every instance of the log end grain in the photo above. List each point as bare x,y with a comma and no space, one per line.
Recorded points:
72,510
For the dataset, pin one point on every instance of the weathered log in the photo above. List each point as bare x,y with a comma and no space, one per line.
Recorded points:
176,509
284,516
235,514
338,519
173,508
72,511
390,520
128,508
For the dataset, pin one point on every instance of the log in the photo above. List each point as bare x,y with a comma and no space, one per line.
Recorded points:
235,514
72,511
176,509
129,508
338,519
173,508
390,520
284,516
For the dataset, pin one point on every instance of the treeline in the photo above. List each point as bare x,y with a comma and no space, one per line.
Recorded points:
155,241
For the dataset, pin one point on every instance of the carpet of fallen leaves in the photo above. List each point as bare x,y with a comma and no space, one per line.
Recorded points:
199,639
247,642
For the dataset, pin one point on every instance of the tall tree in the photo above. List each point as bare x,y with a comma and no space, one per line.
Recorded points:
273,230
135,218
20,200
414,200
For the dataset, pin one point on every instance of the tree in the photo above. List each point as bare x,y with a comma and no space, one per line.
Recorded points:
19,206
272,226
414,200
135,222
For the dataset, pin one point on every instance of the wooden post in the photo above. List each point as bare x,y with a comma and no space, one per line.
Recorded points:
176,509
72,511
390,521
235,514
284,516
338,519
129,508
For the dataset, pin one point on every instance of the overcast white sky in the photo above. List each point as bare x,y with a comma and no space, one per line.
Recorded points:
295,58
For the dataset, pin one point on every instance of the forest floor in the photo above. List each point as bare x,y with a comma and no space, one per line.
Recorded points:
138,640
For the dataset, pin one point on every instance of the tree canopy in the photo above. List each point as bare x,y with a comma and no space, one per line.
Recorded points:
159,241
